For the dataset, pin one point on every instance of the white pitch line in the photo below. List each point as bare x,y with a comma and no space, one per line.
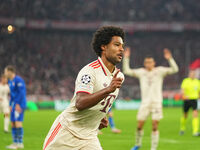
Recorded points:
170,141
176,141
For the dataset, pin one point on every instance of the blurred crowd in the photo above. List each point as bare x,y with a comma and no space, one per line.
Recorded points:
49,61
102,10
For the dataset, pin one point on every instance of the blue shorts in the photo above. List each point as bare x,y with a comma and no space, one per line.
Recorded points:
16,116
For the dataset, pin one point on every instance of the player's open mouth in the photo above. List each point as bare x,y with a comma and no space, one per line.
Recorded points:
120,56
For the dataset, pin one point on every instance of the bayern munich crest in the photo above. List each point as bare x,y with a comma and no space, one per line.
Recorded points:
85,79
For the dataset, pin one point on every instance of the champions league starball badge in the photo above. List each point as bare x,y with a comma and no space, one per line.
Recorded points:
85,79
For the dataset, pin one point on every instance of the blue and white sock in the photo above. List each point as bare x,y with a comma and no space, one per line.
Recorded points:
20,134
14,135
111,122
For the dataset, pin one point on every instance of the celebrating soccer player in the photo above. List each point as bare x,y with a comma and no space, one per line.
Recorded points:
190,91
97,86
17,105
4,104
151,80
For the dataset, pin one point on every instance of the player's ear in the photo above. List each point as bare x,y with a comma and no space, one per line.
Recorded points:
103,47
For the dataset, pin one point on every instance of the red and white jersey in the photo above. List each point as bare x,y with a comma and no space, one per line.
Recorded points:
150,81
92,78
4,91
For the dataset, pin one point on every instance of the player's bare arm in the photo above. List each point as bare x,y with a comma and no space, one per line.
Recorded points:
85,100
172,63
126,63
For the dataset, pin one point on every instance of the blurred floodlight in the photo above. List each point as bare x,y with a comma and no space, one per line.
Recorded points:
10,29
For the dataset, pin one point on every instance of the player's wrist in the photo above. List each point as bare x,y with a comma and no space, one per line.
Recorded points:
108,90
170,58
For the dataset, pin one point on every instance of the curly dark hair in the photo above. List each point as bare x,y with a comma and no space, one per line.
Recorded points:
104,35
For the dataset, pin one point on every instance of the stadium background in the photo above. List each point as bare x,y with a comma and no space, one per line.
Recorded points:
49,42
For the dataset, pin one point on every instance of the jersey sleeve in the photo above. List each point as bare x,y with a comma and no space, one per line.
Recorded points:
173,68
183,84
85,81
128,71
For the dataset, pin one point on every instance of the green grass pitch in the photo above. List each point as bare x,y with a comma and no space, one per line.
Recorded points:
37,124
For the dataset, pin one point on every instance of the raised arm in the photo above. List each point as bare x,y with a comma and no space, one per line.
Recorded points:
173,66
126,64
85,100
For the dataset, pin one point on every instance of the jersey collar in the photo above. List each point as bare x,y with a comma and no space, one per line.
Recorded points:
105,69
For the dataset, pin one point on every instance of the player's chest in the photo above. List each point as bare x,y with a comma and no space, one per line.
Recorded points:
192,85
105,104
102,82
150,75
12,86
150,78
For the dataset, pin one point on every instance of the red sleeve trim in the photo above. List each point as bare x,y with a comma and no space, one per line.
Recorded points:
83,92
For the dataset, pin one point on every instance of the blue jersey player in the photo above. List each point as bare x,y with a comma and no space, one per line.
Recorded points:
111,122
17,105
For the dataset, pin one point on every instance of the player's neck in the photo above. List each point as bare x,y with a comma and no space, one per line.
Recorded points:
108,64
149,69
